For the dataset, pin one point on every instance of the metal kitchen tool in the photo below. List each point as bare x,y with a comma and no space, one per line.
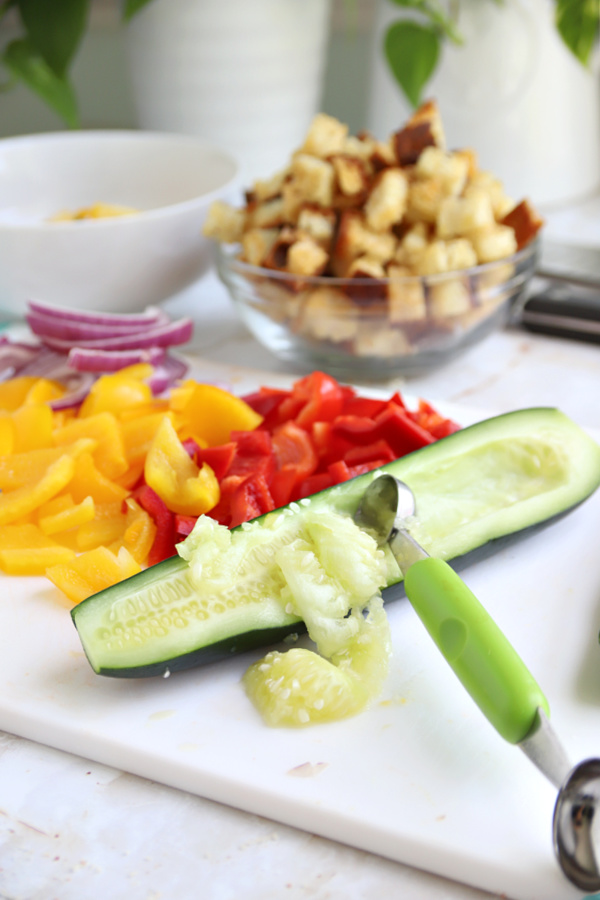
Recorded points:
494,674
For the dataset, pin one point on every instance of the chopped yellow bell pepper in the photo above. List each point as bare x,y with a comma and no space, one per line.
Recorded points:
43,391
103,427
7,435
25,550
33,427
23,500
70,517
139,433
13,392
139,533
19,469
118,392
93,571
176,478
210,413
88,480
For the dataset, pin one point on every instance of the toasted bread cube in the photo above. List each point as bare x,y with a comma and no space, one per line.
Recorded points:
423,129
494,243
314,178
293,200
458,216
406,296
425,199
257,244
470,157
354,239
450,297
267,189
433,259
306,257
525,223
366,267
450,168
351,174
359,146
387,201
489,184
268,214
328,315
276,301
383,155
318,223
461,254
380,340
381,247
492,281
325,136
412,245
224,222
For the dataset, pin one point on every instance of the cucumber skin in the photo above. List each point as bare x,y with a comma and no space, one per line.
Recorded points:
345,497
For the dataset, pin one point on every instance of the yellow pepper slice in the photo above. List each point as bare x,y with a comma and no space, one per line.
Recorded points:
13,392
139,433
70,517
19,469
118,392
176,478
23,500
103,427
7,435
92,571
33,427
139,533
25,550
44,391
89,480
210,413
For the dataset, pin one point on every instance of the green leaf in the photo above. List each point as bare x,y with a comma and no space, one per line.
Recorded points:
412,53
22,61
130,7
55,29
577,22
434,12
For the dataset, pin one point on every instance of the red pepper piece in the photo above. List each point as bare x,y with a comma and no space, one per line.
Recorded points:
283,486
366,467
355,429
183,525
402,434
315,483
339,471
328,444
323,399
163,545
267,402
251,498
364,407
368,452
191,447
253,454
296,459
218,458
222,511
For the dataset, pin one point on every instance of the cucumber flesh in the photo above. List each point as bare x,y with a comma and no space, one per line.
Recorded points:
495,478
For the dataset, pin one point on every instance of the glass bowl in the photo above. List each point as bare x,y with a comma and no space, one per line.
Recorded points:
374,328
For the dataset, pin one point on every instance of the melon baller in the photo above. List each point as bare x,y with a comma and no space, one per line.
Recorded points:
494,675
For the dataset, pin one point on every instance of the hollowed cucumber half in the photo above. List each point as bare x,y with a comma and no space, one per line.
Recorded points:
492,479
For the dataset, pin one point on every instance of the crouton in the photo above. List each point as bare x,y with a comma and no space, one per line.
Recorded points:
351,175
406,296
268,214
525,223
224,222
257,244
325,136
380,341
450,169
306,257
318,223
448,298
386,203
423,129
314,178
494,243
327,314
458,216
267,189
424,199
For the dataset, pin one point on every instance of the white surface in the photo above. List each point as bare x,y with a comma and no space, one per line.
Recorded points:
76,830
421,777
121,263
512,91
206,68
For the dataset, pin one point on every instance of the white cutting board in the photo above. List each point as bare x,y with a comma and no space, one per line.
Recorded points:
421,777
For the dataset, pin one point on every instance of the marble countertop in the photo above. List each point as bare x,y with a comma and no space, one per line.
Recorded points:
74,830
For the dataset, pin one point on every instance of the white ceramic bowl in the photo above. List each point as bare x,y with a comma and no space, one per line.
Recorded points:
120,263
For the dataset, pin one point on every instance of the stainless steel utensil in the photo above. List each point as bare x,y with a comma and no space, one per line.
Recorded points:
494,674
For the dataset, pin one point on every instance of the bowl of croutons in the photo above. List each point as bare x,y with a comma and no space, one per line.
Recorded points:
368,258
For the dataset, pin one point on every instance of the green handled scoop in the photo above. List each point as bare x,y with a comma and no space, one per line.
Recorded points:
493,673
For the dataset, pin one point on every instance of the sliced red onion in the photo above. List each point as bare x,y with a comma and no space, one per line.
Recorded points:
151,316
166,373
16,356
77,390
112,360
178,332
52,326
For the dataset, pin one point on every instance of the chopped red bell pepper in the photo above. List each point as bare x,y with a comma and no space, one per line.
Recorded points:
183,525
250,499
368,452
218,458
315,483
253,454
266,402
163,545
323,399
402,434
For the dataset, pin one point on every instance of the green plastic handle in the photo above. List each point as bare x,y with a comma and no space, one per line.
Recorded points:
481,656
